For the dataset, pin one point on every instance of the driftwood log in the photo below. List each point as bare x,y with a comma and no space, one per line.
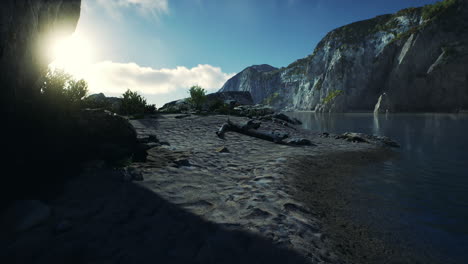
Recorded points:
250,129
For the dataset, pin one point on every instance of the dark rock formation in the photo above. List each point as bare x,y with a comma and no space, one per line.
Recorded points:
416,57
113,104
104,135
26,31
231,97
213,100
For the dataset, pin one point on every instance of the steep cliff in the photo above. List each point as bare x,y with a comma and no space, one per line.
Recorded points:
417,59
26,30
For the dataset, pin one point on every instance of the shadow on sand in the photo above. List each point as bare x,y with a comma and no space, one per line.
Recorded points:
101,218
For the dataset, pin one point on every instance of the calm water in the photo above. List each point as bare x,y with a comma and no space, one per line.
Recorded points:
420,198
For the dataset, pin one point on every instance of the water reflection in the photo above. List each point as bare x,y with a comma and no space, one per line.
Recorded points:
422,195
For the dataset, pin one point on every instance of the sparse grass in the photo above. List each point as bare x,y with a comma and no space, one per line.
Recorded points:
431,11
271,99
331,96
319,84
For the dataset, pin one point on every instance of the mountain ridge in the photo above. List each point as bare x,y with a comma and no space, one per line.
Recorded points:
416,57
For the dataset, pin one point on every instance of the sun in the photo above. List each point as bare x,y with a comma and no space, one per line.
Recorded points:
73,54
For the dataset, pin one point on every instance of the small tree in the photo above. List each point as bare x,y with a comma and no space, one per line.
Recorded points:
197,96
133,103
61,89
76,91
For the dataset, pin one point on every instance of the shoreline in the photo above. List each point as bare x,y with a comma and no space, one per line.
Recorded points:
238,184
353,240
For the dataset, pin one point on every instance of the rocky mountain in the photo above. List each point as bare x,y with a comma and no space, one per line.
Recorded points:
26,31
413,60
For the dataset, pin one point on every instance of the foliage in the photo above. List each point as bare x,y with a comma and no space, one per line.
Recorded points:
319,84
61,89
271,99
331,96
197,96
218,106
77,90
133,103
431,11
150,109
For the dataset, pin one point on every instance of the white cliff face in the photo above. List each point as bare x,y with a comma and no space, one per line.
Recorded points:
355,64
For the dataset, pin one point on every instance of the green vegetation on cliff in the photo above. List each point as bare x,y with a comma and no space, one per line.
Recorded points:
439,8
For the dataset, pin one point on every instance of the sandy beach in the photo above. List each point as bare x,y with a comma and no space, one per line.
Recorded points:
201,199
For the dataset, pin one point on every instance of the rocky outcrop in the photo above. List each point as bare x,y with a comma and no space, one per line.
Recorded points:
104,135
27,29
256,79
213,100
113,104
417,57
233,97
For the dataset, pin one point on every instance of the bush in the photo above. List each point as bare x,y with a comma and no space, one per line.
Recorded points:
430,11
331,96
150,109
197,96
59,88
133,103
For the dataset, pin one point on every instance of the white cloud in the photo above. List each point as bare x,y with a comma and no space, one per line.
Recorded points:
146,7
158,85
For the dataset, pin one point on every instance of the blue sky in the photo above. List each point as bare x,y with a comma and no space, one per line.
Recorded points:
161,47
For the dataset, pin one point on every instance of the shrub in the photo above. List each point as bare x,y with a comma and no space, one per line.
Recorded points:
133,103
430,11
271,99
197,96
59,88
331,96
150,109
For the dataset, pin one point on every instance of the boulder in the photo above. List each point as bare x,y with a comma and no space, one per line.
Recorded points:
105,135
113,104
254,110
360,137
298,142
178,106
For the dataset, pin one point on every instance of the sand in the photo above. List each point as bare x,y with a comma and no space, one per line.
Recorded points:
197,204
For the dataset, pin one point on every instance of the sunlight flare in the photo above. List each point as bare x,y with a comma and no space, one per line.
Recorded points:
73,54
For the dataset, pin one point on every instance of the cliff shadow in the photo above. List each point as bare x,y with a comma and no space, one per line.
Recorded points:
101,218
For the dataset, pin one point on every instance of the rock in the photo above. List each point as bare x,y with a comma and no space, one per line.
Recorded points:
25,214
298,142
353,137
105,135
132,174
113,104
388,142
325,134
178,106
25,30
286,118
181,162
359,137
417,62
181,116
222,150
383,105
213,100
253,110
148,139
